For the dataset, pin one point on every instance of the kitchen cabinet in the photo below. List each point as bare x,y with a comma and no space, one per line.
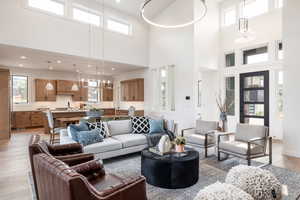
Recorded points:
64,87
41,94
132,90
82,94
107,93
27,119
5,104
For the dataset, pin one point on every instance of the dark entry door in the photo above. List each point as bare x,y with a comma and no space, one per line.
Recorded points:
254,98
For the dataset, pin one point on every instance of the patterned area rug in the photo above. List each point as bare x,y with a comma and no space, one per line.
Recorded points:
210,171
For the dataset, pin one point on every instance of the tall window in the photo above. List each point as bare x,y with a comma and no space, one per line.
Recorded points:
230,60
229,17
279,3
20,89
118,26
257,55
53,6
280,51
93,91
254,8
86,16
230,95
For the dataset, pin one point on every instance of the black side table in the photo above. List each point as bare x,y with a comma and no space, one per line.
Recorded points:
171,171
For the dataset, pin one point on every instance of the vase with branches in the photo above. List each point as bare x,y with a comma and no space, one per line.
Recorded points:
223,106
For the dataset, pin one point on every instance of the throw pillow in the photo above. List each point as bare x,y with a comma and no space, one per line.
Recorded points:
75,128
89,137
100,126
140,125
156,126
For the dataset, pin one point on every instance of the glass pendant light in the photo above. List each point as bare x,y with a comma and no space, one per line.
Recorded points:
49,86
75,86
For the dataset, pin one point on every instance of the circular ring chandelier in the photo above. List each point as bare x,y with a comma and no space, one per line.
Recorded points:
149,21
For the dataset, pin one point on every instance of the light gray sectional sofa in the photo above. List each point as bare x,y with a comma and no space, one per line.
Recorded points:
121,140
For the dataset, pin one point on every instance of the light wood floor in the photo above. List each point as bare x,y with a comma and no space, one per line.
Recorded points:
14,165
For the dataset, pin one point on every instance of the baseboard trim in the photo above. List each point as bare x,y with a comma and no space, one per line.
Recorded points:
291,153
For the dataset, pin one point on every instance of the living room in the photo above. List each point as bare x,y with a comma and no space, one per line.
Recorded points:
173,99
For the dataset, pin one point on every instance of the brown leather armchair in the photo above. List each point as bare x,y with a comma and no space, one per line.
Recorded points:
88,181
71,154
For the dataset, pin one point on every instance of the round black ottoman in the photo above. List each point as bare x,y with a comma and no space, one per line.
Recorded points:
171,171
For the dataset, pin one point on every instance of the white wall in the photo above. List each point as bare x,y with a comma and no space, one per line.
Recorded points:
24,27
117,89
174,47
267,29
62,100
291,32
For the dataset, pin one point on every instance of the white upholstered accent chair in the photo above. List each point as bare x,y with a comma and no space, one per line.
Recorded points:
202,136
250,142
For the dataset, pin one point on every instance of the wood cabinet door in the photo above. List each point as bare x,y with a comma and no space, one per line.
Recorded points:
107,94
140,90
82,93
125,91
22,120
41,94
51,95
65,87
36,118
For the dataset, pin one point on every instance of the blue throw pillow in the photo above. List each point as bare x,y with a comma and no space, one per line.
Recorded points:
74,129
156,126
89,137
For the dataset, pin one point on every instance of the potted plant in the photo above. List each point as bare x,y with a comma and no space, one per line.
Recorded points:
179,144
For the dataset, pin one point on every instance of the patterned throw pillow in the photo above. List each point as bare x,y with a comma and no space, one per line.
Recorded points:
140,125
89,137
100,126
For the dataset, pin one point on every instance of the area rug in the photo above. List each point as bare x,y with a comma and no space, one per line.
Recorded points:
210,171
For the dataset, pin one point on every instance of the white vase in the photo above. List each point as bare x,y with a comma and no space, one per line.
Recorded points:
164,144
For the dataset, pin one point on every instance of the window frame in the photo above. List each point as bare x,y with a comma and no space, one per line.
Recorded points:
27,91
89,11
98,90
278,5
62,2
130,29
253,48
278,42
234,93
242,12
232,8
225,58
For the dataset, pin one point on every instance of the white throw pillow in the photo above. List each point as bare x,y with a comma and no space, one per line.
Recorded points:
119,127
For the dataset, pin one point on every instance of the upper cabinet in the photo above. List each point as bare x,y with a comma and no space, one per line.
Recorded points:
107,93
132,90
81,94
65,87
41,93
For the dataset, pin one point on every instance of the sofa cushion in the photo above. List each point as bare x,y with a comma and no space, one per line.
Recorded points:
75,128
245,132
205,126
199,139
129,140
89,137
108,144
156,125
140,125
240,147
101,127
119,127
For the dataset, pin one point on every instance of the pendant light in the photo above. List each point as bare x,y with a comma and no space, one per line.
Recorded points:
75,86
49,86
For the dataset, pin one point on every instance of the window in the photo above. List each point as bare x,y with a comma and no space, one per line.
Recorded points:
230,95
93,91
279,3
280,93
20,89
53,6
280,53
117,26
257,55
229,17
86,16
254,8
230,60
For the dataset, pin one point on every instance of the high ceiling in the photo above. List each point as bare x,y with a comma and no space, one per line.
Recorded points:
36,59
132,7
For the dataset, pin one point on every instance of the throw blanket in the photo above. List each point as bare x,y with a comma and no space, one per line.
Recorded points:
153,139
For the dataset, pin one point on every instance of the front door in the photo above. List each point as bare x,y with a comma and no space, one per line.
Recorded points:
254,98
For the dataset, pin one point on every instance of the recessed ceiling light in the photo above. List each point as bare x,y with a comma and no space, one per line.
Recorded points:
77,70
113,69
98,72
23,57
118,1
21,65
50,68
90,66
58,61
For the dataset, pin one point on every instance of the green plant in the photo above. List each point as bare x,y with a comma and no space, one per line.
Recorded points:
180,140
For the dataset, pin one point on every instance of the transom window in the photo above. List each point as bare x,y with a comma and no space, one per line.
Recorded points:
86,16
254,8
20,89
280,51
52,6
118,26
229,17
230,95
93,91
230,59
257,55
